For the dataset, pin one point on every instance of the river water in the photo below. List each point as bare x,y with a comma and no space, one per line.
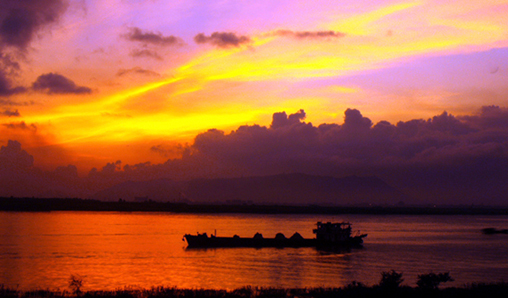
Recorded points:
116,250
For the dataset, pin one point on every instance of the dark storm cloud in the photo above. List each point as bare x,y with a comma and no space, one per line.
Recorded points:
21,20
357,142
168,151
10,113
20,178
145,53
12,156
136,70
8,68
445,155
148,37
488,117
281,119
6,88
8,64
66,172
353,120
53,83
310,34
222,39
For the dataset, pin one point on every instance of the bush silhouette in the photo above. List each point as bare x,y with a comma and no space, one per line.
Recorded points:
390,279
431,280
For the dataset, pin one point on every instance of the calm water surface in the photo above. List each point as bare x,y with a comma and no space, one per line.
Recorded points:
115,250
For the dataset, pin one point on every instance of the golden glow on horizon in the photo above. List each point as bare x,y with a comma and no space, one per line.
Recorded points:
358,25
341,89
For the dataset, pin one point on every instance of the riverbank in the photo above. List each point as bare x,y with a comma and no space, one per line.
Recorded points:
352,290
76,204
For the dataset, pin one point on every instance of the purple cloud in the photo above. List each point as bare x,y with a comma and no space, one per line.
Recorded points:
13,157
148,37
222,39
10,113
145,53
488,117
53,83
20,178
20,125
21,20
6,88
137,70
8,68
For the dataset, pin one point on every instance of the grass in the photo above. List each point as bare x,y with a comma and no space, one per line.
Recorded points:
354,289
389,286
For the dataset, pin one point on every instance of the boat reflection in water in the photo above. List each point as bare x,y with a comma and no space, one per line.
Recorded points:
327,235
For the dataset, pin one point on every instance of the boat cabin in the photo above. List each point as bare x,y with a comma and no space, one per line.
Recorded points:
333,232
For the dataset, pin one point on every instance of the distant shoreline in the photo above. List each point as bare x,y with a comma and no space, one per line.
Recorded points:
76,204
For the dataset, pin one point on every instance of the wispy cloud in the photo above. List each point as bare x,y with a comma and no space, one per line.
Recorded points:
20,125
138,71
145,53
330,34
10,113
153,38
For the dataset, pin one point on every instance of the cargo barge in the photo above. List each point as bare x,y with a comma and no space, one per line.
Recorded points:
327,235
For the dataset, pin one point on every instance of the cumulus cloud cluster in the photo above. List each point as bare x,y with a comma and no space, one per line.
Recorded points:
442,158
13,157
446,158
19,177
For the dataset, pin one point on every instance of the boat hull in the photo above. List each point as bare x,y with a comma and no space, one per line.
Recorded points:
203,241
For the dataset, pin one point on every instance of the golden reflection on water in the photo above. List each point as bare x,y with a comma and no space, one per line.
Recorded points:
115,250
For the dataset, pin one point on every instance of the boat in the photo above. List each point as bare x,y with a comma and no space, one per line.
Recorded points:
491,231
327,235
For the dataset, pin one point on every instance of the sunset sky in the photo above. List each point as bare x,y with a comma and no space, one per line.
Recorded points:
91,82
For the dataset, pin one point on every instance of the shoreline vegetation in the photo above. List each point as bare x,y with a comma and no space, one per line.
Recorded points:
77,204
390,285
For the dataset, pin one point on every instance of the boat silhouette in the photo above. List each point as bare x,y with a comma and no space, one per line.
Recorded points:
327,235
490,231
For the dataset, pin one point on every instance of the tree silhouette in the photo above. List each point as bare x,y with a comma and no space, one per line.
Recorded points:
75,283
